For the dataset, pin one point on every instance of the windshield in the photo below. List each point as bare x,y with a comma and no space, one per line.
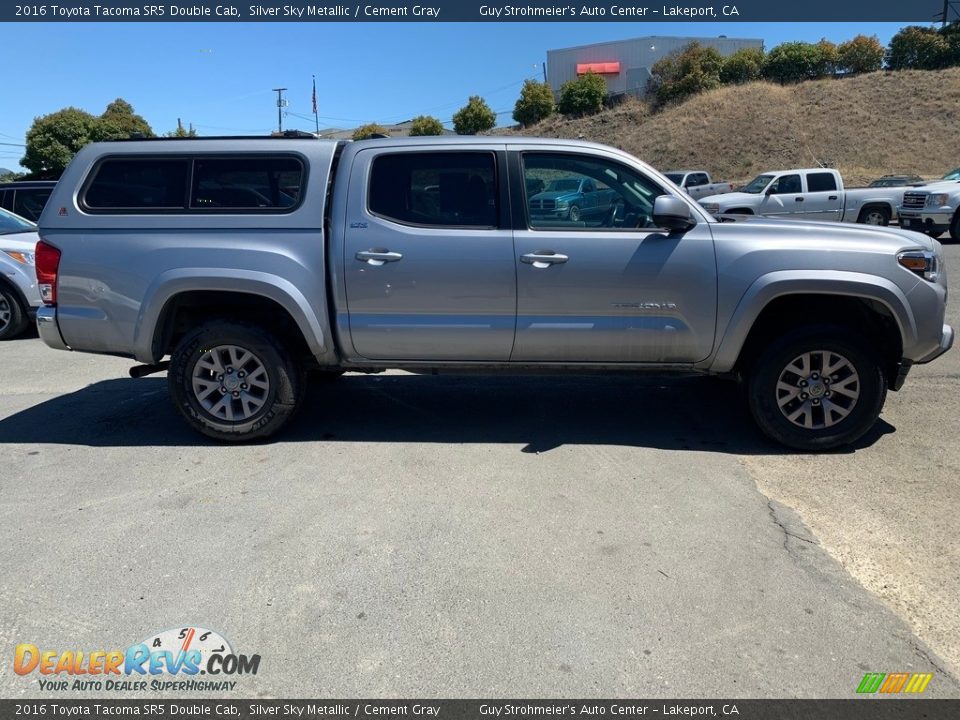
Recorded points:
10,223
757,185
952,175
566,184
675,177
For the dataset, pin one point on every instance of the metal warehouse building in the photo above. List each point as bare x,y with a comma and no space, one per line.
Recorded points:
625,64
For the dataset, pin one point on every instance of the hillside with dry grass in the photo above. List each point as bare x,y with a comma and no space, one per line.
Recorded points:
865,126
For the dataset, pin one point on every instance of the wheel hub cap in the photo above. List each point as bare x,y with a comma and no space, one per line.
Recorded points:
818,389
230,383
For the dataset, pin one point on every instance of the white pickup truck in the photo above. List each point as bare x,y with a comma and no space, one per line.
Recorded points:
697,183
813,194
933,209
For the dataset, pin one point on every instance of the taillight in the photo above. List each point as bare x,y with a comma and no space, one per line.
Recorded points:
48,263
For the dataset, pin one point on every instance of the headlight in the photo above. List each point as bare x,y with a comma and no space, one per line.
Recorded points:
712,208
561,204
923,263
937,199
24,258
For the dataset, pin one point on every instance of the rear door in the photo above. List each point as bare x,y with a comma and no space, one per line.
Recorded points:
428,254
613,288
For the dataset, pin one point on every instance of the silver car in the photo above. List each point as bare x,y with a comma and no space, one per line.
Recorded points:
19,295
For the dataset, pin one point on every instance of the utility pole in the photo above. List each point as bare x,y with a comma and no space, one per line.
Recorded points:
949,5
281,104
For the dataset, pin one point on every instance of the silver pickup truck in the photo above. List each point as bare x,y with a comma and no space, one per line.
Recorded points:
697,183
256,263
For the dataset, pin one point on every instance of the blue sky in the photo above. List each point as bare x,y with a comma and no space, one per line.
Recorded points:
219,76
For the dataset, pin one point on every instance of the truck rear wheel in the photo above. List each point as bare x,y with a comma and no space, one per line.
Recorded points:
817,388
234,382
955,227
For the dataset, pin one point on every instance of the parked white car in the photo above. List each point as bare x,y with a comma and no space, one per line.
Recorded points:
19,295
933,209
697,183
811,194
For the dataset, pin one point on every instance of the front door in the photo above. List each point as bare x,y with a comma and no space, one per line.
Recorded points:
784,198
612,288
428,261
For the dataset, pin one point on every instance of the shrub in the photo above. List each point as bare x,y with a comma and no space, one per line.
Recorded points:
535,103
426,125
919,48
583,96
743,66
369,130
795,61
690,70
861,55
474,117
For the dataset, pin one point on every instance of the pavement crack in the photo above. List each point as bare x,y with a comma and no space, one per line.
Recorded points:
787,533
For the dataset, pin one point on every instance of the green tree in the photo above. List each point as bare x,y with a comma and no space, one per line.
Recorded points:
795,61
685,72
11,176
918,48
54,139
426,125
369,130
182,132
474,117
743,66
120,121
583,96
829,61
534,104
951,35
861,55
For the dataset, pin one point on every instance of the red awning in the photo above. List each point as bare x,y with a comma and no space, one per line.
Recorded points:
601,68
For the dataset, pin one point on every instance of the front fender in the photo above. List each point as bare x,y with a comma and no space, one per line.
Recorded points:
800,282
180,280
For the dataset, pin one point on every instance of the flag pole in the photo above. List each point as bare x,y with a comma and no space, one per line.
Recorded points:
316,118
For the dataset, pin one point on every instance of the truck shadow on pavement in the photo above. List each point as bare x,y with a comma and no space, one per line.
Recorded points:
539,413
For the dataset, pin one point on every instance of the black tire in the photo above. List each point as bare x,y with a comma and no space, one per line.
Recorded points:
875,212
278,402
764,396
13,316
933,233
574,213
955,227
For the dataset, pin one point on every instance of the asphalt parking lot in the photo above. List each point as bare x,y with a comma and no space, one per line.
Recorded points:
484,537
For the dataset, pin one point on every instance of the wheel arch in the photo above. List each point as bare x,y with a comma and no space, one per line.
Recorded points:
774,303
180,296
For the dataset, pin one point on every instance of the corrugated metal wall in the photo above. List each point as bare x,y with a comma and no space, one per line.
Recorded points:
636,57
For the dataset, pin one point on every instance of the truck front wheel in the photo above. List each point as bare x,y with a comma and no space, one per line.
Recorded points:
817,388
234,382
955,227
874,215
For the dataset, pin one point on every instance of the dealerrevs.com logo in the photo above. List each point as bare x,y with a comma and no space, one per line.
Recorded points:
171,660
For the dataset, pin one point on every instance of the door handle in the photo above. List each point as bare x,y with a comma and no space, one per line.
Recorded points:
798,199
378,257
832,197
543,258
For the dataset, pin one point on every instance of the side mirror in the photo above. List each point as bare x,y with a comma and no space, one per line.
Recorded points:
673,214
769,191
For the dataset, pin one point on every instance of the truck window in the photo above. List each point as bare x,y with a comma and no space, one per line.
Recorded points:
29,203
821,182
435,189
622,199
696,180
786,185
138,184
246,184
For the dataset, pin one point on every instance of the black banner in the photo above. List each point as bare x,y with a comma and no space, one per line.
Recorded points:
916,11
859,709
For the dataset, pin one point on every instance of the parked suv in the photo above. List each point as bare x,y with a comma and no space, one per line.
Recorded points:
424,254
26,198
